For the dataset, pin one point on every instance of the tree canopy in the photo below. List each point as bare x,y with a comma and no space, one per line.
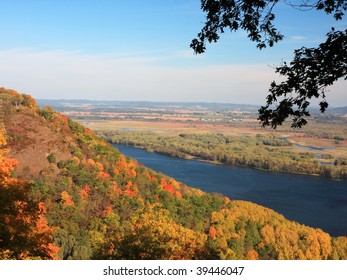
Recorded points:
94,203
310,72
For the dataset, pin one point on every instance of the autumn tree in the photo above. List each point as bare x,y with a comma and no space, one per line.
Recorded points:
153,235
312,69
24,231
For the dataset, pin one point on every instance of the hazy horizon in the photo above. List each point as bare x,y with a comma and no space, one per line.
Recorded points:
315,107
139,50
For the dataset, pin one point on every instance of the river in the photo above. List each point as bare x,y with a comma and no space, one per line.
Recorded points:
309,200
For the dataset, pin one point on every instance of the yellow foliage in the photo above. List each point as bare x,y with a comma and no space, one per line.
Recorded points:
2,138
288,240
153,235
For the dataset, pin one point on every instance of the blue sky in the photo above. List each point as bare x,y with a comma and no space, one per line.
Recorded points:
139,50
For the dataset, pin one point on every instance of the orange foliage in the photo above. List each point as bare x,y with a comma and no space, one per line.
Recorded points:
130,192
84,193
6,164
103,175
162,181
132,173
6,167
152,178
64,118
66,199
148,175
91,162
25,223
252,255
127,169
121,163
43,228
116,171
212,232
131,189
114,191
178,194
174,183
118,191
89,132
99,166
29,101
108,210
169,188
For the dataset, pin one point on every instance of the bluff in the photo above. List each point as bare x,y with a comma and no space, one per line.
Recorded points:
67,194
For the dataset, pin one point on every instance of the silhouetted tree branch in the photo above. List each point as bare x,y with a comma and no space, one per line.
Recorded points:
307,76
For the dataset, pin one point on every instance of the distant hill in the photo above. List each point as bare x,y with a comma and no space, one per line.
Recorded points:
88,104
65,193
112,105
337,110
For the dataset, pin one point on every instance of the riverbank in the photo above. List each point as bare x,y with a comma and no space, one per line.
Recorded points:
314,201
262,152
188,157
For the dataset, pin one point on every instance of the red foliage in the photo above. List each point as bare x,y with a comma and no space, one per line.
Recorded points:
64,118
89,132
84,193
169,188
130,192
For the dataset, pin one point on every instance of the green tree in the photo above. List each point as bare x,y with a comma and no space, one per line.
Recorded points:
310,72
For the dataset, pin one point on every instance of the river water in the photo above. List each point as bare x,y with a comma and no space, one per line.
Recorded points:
309,200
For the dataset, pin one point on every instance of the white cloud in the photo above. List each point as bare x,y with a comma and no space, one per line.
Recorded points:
298,38
58,74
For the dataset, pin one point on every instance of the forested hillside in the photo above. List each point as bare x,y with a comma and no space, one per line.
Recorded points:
66,194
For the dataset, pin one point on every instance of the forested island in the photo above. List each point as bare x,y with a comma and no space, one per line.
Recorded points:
263,151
